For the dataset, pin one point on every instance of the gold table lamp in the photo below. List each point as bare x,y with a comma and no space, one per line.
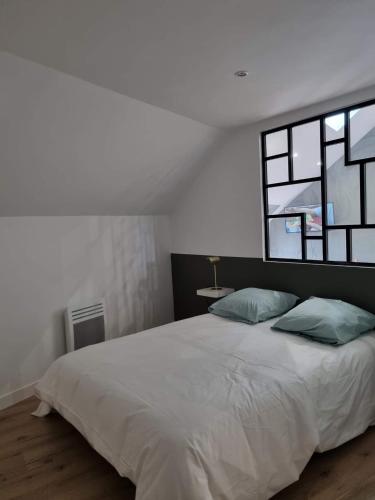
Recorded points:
214,260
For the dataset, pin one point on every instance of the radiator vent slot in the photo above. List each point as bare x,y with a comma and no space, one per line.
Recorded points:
85,325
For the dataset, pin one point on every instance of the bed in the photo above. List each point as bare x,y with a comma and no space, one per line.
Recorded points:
211,409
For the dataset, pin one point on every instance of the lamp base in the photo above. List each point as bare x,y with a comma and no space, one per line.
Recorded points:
216,288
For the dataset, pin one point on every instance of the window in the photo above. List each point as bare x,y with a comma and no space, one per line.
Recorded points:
318,184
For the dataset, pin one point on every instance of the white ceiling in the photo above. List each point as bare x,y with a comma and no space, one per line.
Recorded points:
181,54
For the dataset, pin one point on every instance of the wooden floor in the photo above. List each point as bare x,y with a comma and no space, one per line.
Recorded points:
48,459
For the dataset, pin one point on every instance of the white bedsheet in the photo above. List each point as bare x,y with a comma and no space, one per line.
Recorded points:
210,409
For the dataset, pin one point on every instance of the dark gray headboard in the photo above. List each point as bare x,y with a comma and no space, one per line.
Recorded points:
190,272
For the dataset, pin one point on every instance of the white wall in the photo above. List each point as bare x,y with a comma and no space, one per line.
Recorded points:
48,263
221,212
68,147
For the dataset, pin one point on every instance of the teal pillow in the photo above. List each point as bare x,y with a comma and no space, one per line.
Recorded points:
327,320
252,305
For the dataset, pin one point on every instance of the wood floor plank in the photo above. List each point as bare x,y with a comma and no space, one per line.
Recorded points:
346,473
47,459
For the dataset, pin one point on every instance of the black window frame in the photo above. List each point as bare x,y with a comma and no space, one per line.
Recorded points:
345,140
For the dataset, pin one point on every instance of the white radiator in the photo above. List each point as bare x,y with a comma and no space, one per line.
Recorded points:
85,325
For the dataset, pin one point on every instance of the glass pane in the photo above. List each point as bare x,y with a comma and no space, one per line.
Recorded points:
363,245
314,249
370,190
277,170
277,143
362,133
283,244
302,198
343,195
306,150
334,126
337,245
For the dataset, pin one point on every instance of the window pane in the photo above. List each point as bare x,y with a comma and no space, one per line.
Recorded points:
306,150
282,196
362,133
337,245
363,245
277,143
314,249
334,126
370,190
343,195
277,170
282,243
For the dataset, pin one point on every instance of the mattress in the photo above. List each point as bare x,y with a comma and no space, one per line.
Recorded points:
211,409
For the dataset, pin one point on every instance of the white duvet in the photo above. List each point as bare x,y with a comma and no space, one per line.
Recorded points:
210,409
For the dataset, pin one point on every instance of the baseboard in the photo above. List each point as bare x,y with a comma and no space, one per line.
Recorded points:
16,396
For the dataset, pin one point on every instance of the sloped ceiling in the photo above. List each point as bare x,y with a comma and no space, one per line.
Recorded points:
68,147
181,54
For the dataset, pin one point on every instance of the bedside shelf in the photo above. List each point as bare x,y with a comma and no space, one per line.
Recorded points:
214,294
